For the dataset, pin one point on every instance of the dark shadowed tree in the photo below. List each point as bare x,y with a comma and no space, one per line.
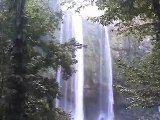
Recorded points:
29,51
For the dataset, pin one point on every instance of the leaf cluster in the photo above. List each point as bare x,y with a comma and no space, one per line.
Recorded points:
43,55
131,17
142,83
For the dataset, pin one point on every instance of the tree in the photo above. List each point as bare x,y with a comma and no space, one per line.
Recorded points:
132,16
139,19
27,29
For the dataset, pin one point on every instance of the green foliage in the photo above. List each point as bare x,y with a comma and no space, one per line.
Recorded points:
132,17
139,19
61,115
42,18
142,82
43,53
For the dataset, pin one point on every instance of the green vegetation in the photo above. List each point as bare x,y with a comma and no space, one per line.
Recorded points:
28,51
139,19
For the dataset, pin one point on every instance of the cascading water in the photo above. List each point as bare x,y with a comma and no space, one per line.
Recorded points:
66,34
73,89
72,27
105,90
79,81
110,80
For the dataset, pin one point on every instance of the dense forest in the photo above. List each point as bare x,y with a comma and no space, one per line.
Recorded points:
31,54
29,50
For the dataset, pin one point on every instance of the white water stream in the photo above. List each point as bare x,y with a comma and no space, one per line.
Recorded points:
73,90
79,79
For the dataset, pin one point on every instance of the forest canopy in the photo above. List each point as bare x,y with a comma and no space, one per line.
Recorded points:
29,50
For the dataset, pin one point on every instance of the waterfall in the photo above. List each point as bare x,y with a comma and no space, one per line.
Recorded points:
73,89
105,90
109,69
72,99
66,34
79,81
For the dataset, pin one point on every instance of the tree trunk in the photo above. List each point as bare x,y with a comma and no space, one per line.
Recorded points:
17,100
156,10
156,7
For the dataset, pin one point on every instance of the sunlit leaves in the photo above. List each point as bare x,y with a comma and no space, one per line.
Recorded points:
132,16
40,16
143,80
